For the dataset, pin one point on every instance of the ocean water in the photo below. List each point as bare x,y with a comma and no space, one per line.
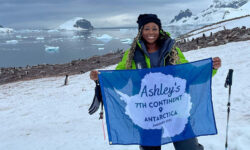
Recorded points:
31,47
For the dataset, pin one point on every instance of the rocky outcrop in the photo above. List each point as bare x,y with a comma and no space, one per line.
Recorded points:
182,14
1,26
84,24
218,38
77,23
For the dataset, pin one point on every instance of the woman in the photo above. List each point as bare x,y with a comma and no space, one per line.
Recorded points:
151,48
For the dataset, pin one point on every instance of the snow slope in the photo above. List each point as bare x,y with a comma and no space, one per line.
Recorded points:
216,13
42,114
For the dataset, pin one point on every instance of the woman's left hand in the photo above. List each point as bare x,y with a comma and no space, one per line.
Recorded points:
216,62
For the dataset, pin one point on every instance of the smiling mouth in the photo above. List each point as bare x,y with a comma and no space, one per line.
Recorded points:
151,37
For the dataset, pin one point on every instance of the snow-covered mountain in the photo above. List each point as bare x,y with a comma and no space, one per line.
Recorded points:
5,30
77,23
219,10
182,14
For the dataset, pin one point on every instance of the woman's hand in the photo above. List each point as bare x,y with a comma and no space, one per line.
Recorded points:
93,75
216,62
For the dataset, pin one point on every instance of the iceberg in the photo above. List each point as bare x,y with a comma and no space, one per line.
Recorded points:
18,36
101,48
6,30
105,38
12,42
50,31
98,44
126,41
51,49
40,38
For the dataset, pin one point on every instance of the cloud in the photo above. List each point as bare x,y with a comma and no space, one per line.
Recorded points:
51,13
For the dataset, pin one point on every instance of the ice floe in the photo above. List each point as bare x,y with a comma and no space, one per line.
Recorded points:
101,48
104,38
51,49
40,38
12,42
6,30
98,44
126,41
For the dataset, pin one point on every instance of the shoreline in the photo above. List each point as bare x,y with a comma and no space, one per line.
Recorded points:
14,74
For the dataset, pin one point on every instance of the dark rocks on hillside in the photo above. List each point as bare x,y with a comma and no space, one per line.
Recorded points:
215,39
84,24
1,26
47,70
182,14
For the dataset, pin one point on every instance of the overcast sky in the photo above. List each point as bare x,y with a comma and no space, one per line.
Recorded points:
101,13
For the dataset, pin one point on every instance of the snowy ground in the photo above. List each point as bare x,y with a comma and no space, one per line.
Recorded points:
44,115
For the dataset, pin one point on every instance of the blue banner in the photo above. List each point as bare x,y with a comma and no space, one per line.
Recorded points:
152,107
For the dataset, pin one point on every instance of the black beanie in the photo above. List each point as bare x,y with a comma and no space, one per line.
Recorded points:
146,18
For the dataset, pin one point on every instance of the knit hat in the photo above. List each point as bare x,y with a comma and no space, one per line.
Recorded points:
146,18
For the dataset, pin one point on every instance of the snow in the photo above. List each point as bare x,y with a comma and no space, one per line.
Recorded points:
213,14
51,49
44,114
69,25
105,38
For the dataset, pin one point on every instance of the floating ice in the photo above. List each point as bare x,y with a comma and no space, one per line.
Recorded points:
40,38
104,38
101,48
126,41
98,44
19,36
12,42
6,30
52,31
123,30
29,31
51,49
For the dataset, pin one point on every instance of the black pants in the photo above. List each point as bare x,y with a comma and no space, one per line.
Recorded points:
190,144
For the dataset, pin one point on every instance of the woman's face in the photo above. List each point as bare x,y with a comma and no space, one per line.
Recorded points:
150,32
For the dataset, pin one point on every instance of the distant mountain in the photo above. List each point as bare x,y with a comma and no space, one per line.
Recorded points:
77,23
5,30
182,14
229,3
219,10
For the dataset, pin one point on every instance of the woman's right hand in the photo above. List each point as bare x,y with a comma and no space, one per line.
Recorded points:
93,75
